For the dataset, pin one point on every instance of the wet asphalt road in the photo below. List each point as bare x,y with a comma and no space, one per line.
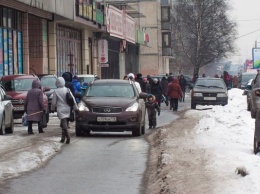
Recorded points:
110,163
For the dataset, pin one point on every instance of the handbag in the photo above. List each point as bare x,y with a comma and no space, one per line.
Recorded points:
69,98
43,122
24,120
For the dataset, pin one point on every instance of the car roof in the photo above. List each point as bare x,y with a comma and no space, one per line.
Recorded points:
249,73
86,75
46,75
18,76
111,81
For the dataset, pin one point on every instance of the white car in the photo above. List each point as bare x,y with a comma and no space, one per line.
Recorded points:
6,113
86,78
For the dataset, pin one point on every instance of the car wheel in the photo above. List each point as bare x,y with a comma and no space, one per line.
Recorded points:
137,132
78,130
10,129
2,125
193,106
256,146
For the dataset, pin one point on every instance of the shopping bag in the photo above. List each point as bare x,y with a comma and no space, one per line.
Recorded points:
43,122
24,120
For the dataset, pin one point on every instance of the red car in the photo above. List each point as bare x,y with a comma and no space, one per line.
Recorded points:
17,86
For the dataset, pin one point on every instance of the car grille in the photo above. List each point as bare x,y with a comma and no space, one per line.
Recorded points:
18,101
209,94
107,110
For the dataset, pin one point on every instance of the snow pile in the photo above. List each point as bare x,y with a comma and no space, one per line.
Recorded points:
227,132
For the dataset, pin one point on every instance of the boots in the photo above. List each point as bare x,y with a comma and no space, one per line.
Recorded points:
62,136
67,136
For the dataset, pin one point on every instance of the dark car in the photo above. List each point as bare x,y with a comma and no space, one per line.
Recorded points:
247,92
48,80
243,78
17,86
111,105
209,91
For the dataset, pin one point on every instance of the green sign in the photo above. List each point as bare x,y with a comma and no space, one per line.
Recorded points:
99,17
140,37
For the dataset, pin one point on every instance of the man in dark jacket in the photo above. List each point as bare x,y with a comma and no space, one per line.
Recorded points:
68,81
183,83
140,80
156,90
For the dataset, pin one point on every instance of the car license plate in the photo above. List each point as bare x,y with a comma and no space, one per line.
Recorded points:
18,108
106,119
210,98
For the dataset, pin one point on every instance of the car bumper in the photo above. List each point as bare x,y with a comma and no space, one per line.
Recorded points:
124,122
202,101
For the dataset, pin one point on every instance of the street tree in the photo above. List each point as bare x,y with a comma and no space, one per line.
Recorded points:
203,32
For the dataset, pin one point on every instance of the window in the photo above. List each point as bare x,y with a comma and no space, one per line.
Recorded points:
166,39
4,17
165,13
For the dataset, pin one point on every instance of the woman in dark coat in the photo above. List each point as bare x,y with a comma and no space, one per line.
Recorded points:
34,106
183,83
156,90
164,84
174,92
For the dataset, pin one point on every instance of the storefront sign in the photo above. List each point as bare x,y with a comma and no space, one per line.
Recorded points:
1,53
10,52
5,51
104,65
120,25
20,52
102,51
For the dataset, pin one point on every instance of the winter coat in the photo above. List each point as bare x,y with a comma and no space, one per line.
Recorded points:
151,107
164,84
156,90
183,83
34,102
76,86
59,100
68,81
148,88
141,82
174,89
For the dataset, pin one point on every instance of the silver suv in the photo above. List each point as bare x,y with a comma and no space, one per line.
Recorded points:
255,96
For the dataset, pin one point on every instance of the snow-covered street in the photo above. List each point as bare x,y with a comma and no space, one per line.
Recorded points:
204,150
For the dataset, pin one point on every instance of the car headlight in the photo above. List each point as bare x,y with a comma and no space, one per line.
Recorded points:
197,94
133,107
82,107
221,95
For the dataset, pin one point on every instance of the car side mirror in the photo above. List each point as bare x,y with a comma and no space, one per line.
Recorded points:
143,95
46,89
7,97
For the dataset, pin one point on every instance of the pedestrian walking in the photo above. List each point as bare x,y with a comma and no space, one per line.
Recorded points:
131,77
156,90
152,107
164,84
139,79
34,106
170,78
174,93
77,88
183,83
147,86
59,102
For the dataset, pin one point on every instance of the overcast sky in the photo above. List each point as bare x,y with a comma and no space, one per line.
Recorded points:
246,13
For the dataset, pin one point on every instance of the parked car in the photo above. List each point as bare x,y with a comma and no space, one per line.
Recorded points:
243,78
209,91
247,92
17,86
85,79
48,80
255,96
6,113
111,105
256,143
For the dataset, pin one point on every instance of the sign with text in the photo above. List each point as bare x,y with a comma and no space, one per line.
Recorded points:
256,58
102,51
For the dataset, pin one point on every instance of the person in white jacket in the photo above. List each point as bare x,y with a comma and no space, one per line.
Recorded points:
59,102
131,76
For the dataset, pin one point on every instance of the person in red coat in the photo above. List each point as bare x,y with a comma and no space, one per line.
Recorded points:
174,93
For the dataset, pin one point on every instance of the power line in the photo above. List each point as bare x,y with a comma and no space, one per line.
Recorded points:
248,33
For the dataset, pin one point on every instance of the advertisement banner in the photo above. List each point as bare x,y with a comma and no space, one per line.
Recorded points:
1,53
256,58
5,38
130,29
20,52
115,22
10,52
102,51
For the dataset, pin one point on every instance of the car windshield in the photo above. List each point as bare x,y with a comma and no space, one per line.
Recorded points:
83,80
18,84
210,83
112,90
49,82
246,78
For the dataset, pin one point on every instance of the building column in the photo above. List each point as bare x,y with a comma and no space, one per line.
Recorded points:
122,65
87,63
52,48
25,32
